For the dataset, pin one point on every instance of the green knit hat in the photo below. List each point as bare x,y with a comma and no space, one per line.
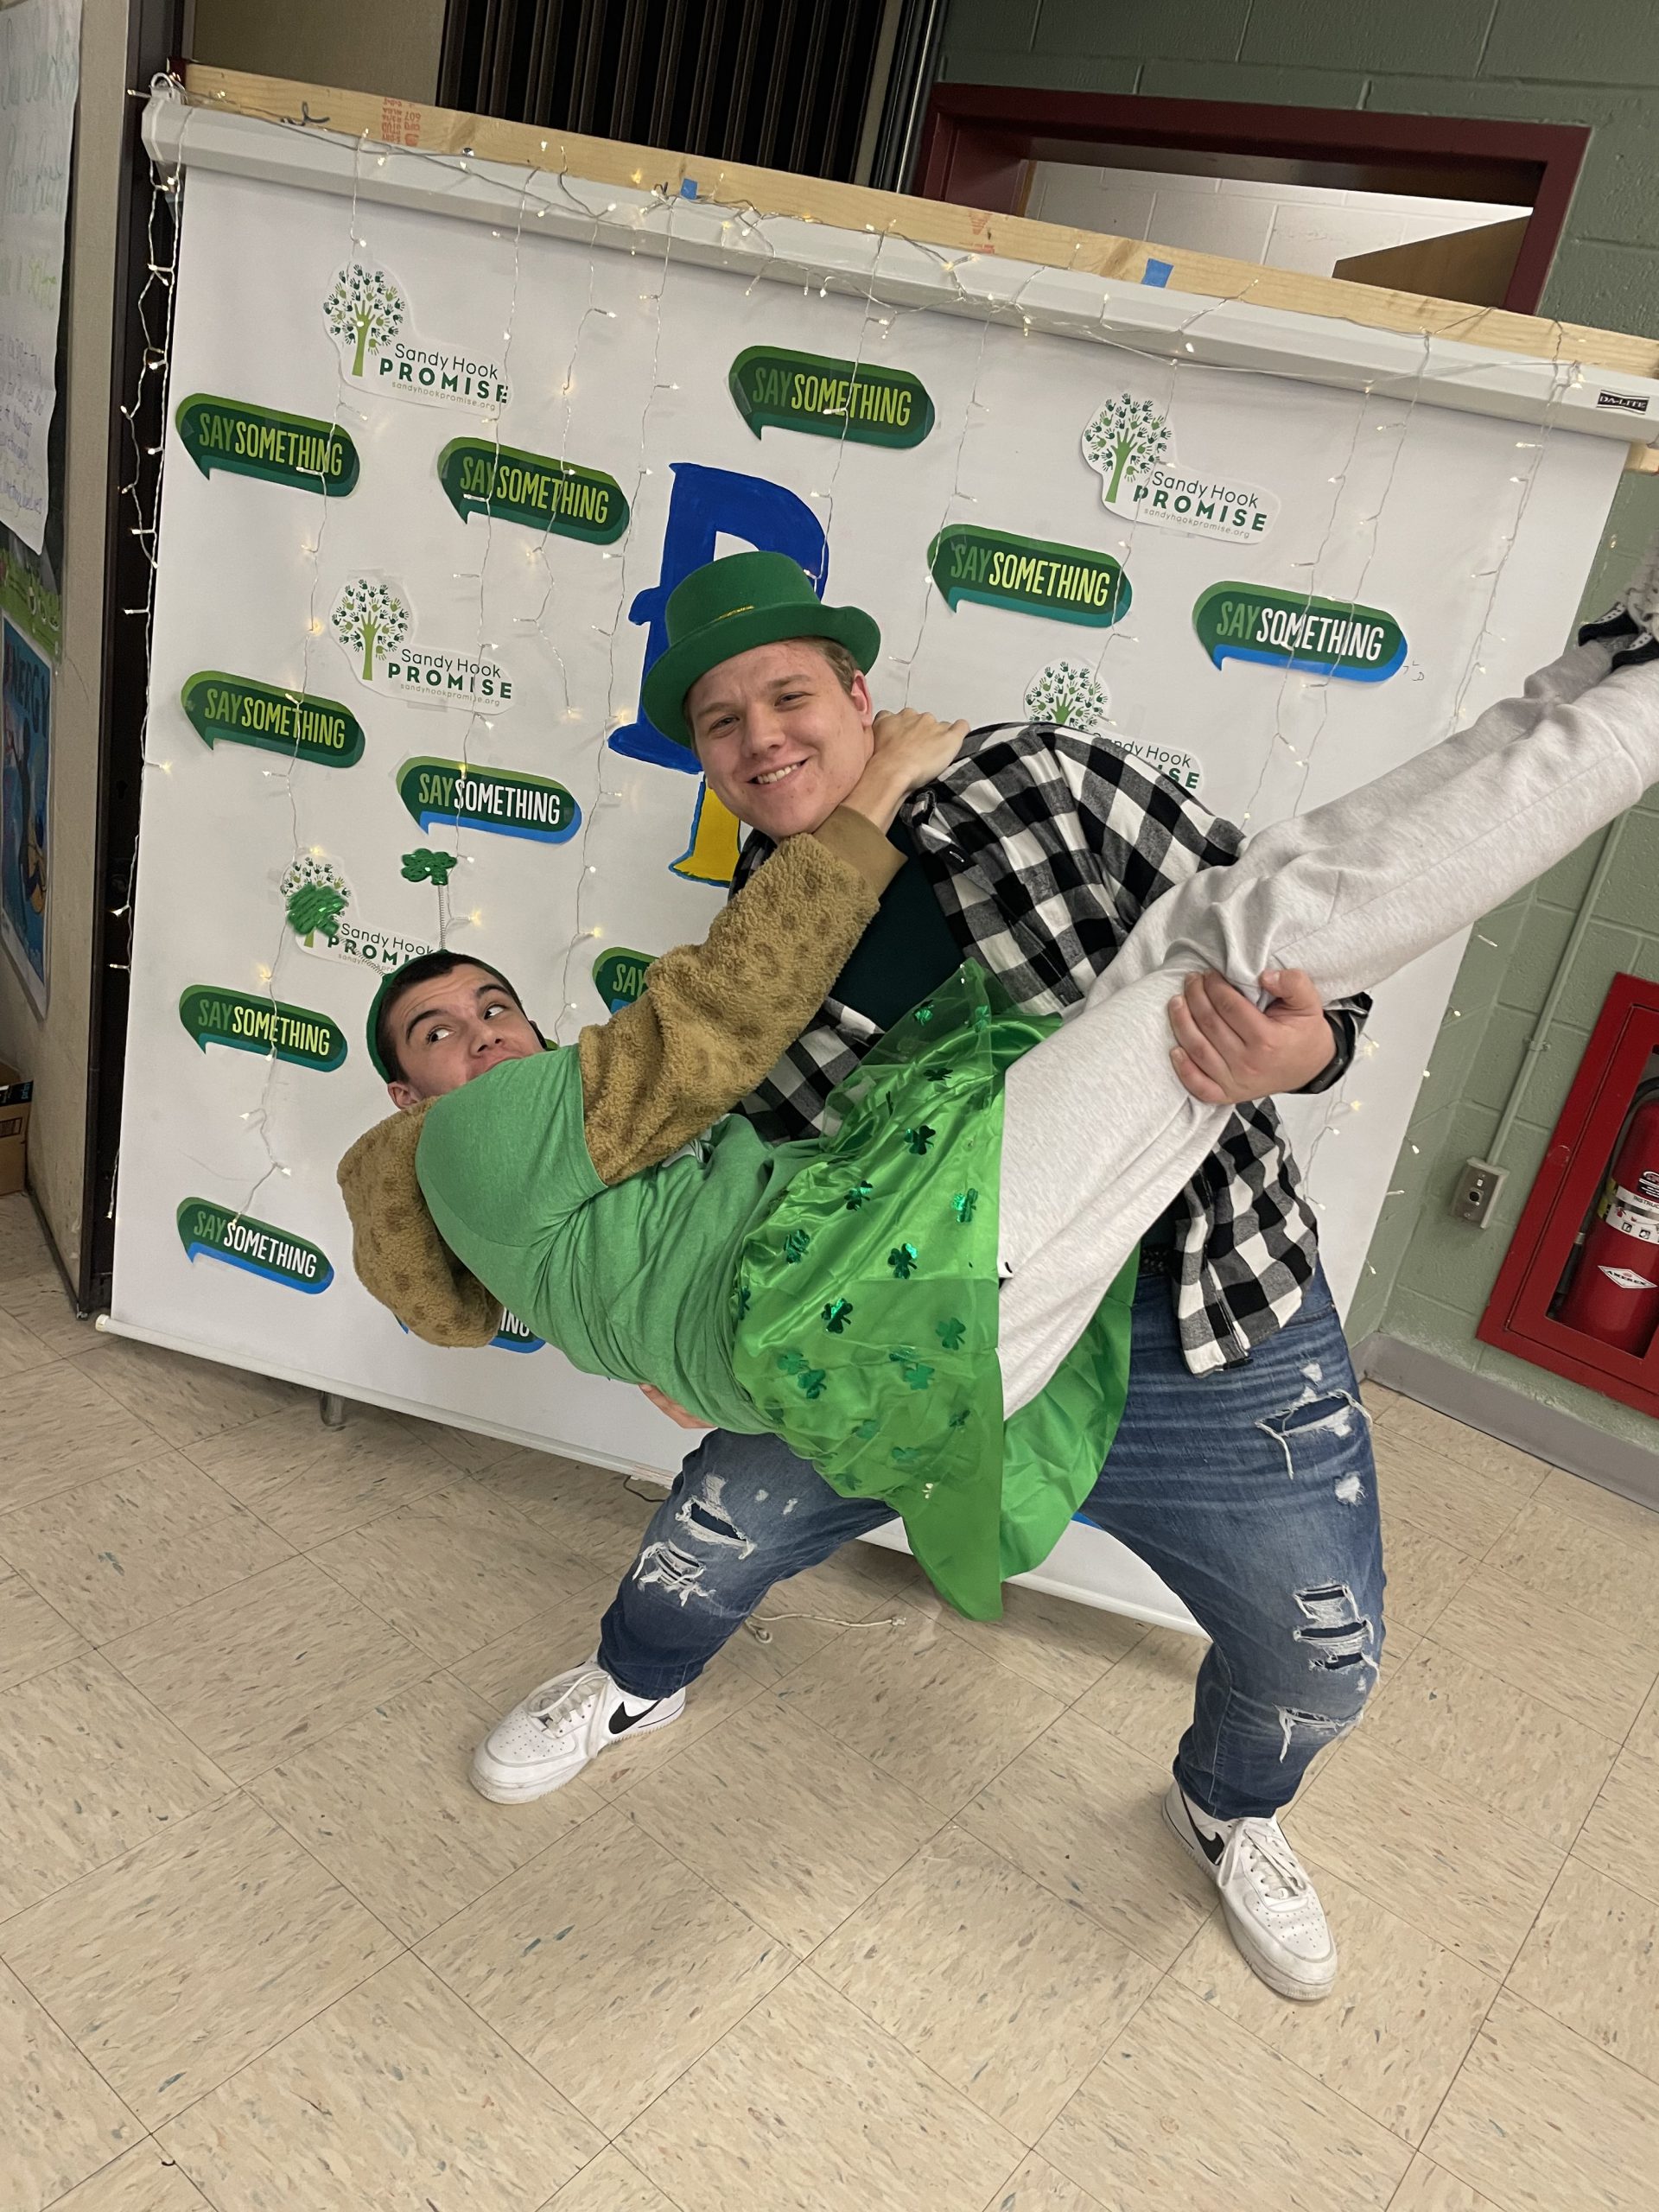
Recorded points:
729,606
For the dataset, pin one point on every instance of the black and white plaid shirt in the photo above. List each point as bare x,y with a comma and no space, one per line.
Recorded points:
1044,846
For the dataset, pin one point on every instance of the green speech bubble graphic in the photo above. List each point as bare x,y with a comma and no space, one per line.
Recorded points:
237,710
247,1024
512,804
480,477
620,975
261,1249
1288,629
829,398
262,441
1068,583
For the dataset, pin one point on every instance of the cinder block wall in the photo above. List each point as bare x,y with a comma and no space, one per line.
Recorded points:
1527,59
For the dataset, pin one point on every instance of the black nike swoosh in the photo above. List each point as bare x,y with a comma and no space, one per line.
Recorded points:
1211,1847
622,1720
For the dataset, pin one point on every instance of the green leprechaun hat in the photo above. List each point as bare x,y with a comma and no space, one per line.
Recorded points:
729,606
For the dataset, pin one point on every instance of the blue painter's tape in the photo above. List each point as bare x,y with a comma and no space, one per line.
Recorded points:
688,188
1158,273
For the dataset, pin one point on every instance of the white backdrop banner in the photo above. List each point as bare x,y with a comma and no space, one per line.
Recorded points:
430,480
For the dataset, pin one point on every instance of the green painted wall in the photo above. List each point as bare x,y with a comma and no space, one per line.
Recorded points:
1540,62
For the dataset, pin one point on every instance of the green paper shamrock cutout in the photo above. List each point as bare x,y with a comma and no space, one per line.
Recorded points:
792,1362
906,1455
901,1356
918,1377
902,1260
951,1334
795,1246
963,1205
961,1419
425,866
837,1316
857,1195
866,1430
812,1382
919,1138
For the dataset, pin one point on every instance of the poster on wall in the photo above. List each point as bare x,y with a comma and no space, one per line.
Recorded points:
40,75
429,483
25,808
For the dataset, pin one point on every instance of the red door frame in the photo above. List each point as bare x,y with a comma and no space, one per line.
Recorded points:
1517,1318
978,138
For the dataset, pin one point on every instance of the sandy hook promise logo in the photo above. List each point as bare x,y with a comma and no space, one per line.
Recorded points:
372,621
365,311
1130,446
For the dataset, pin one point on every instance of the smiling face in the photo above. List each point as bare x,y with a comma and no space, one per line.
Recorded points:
445,1032
781,740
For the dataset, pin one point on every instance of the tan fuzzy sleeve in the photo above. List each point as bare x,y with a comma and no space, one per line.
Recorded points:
715,1016
399,1257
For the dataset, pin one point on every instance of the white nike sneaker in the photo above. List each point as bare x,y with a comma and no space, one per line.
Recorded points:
548,1737
1272,1908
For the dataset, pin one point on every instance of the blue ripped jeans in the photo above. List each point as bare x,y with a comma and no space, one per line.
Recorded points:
1251,1492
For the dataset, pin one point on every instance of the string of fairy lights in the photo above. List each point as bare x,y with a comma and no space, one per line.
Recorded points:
651,224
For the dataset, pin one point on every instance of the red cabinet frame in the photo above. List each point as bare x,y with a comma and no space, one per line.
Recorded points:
1517,1317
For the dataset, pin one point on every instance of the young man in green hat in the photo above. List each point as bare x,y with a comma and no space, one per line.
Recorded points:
1035,853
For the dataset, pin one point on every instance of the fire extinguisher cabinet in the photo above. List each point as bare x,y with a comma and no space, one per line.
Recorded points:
1578,1290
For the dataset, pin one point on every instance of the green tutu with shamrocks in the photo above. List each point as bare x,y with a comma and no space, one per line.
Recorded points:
866,1308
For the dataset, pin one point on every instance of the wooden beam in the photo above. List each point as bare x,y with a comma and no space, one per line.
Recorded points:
933,222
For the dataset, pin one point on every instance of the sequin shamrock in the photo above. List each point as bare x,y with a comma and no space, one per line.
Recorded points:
855,1197
795,1246
836,1315
920,1137
963,1205
811,1380
951,1334
918,1374
902,1260
744,1295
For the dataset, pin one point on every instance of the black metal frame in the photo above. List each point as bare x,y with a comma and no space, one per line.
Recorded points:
154,40
749,80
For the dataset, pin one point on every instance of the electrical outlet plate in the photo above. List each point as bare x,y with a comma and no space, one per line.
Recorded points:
1477,1192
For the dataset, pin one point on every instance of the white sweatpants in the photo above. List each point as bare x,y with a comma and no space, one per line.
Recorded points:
1099,1135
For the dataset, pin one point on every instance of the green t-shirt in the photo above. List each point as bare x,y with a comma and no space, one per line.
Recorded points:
633,1281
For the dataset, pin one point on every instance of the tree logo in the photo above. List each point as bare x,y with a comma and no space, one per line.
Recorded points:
1067,692
368,317
364,311
369,617
371,621
1127,437
1130,446
315,896
316,903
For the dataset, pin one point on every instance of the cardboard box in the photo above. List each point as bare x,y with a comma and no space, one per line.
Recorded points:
16,1095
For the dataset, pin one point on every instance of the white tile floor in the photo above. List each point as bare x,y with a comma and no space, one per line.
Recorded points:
886,1923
